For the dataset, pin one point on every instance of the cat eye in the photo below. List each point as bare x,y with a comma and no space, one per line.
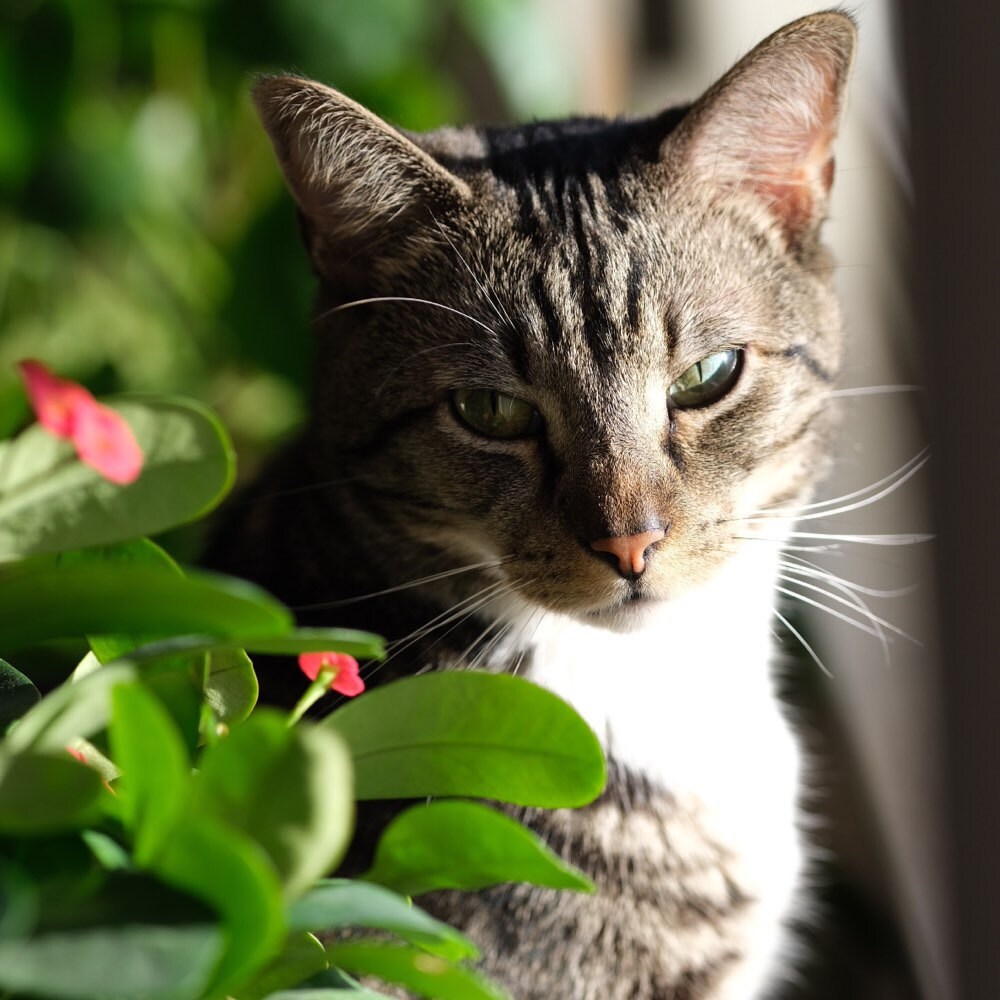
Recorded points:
495,414
708,380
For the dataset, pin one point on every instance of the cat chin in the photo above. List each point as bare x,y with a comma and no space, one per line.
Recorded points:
628,617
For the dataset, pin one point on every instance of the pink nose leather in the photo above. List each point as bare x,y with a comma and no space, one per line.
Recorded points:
629,550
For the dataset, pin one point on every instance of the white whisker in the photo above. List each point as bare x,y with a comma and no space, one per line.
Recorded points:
913,538
805,645
858,604
874,390
871,630
489,564
904,473
820,572
406,298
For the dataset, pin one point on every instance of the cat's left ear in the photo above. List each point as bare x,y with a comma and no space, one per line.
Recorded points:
768,126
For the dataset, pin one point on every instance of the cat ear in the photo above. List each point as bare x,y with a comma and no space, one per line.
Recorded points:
768,126
357,180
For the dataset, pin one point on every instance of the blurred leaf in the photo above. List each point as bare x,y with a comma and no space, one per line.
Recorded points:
223,867
288,789
134,552
50,501
109,853
17,694
300,959
462,845
363,645
60,602
231,686
338,903
470,734
426,975
70,712
147,747
132,938
42,793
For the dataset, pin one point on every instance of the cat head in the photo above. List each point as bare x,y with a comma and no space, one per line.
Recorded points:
589,348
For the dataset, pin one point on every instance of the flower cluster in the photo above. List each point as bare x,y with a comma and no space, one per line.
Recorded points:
102,438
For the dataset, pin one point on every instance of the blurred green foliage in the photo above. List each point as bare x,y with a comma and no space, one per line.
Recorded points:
146,241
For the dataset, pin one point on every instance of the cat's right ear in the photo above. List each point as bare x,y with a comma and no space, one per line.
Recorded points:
363,188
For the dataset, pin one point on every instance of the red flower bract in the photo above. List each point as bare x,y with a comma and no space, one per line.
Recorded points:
105,442
55,400
344,668
102,438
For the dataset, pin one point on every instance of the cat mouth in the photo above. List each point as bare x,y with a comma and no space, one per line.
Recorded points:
629,613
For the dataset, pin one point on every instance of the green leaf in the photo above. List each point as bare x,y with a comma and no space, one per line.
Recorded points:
50,501
470,734
339,903
321,993
148,748
109,853
302,957
223,867
42,793
231,686
289,789
426,975
463,845
51,603
17,694
132,938
70,712
363,645
135,552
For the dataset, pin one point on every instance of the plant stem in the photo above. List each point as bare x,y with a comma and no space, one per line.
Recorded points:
313,693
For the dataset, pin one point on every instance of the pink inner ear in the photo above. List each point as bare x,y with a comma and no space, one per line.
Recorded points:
768,129
794,194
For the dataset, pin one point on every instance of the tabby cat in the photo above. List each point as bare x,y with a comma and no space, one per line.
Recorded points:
559,368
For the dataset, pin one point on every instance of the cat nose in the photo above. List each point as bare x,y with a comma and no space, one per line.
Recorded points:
628,552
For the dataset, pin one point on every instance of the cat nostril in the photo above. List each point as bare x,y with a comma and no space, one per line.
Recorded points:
628,552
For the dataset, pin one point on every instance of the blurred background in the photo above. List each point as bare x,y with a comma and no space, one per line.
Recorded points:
146,243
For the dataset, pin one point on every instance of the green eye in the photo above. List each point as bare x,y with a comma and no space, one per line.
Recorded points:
495,414
708,380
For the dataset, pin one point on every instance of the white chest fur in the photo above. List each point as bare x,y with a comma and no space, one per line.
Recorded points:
689,701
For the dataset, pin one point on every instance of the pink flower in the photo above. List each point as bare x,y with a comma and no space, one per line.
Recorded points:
55,400
105,442
342,668
102,438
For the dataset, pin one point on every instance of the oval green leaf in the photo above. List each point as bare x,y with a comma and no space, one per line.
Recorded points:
463,845
43,793
128,936
426,975
70,712
224,868
469,734
288,789
340,903
148,748
363,645
50,501
55,602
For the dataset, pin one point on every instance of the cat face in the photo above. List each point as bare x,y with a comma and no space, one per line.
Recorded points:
582,351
